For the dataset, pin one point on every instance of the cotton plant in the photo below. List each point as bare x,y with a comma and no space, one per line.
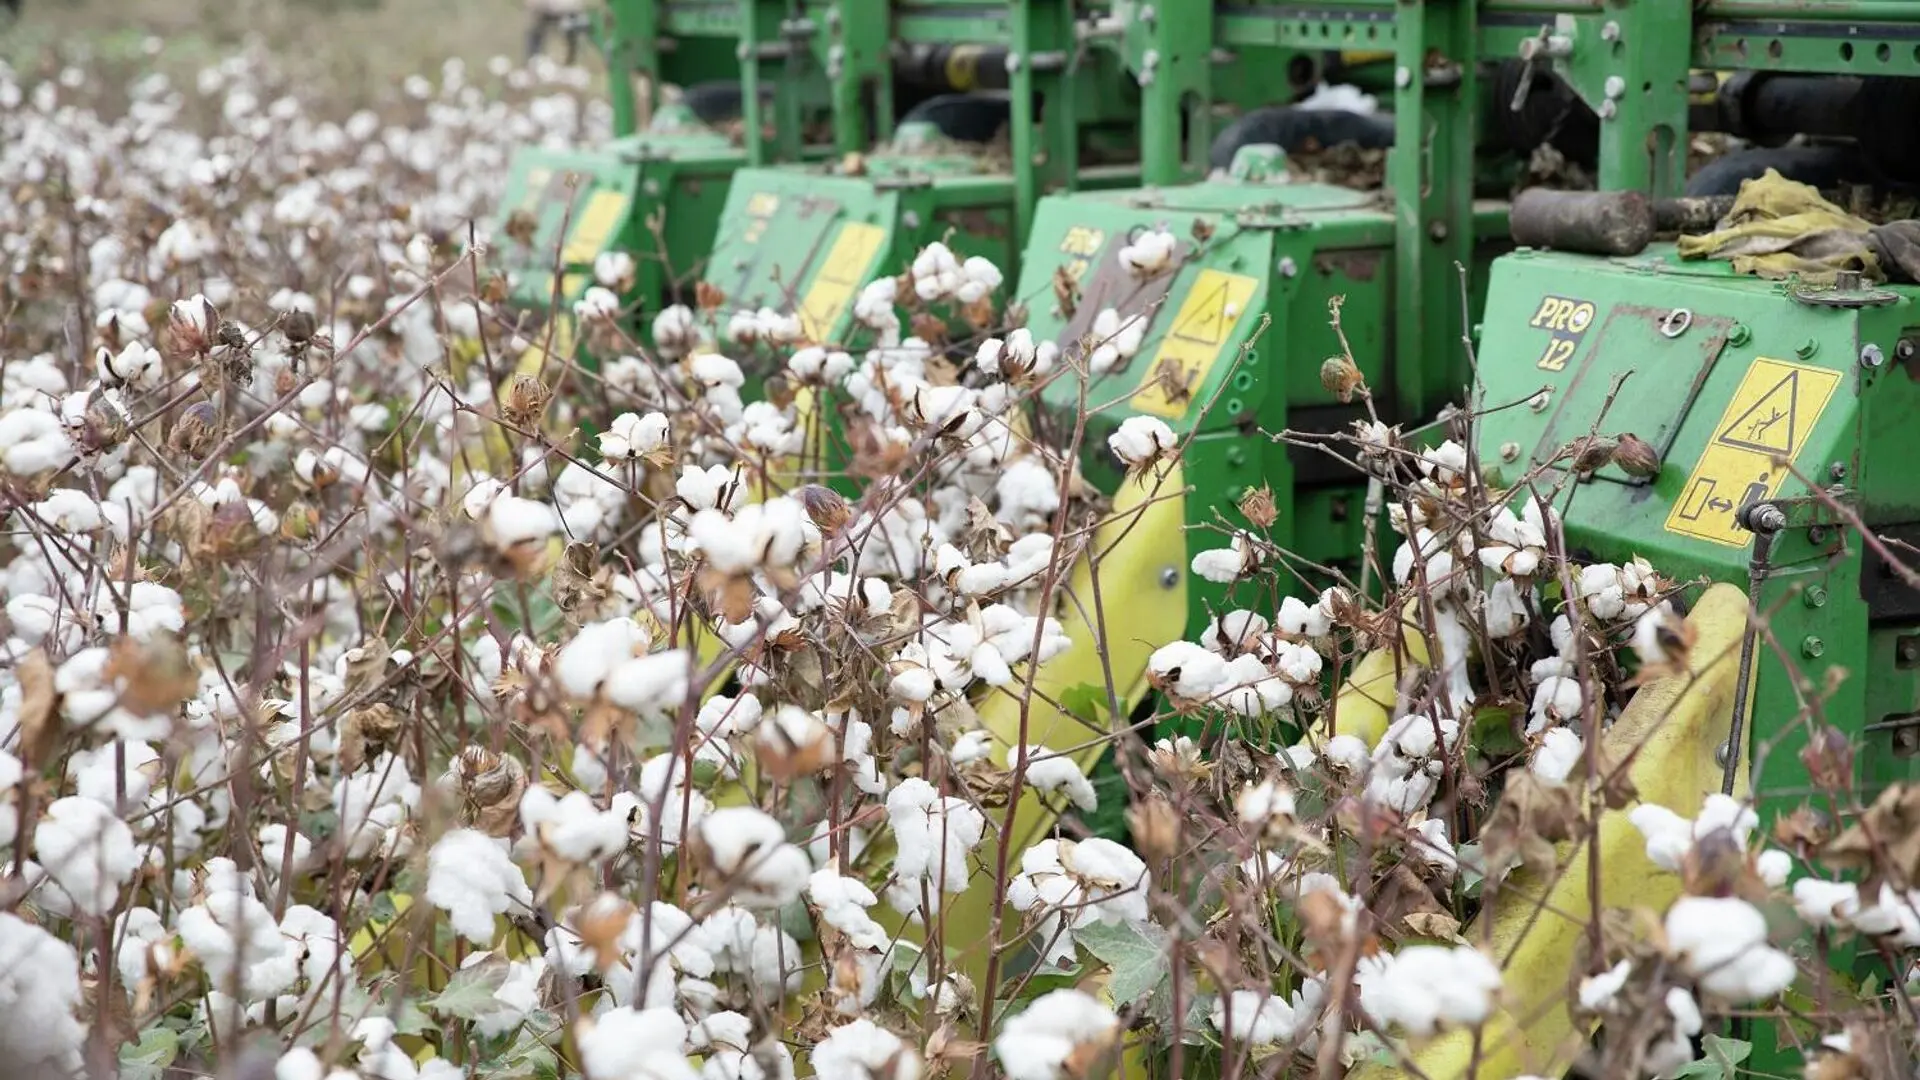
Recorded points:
667,724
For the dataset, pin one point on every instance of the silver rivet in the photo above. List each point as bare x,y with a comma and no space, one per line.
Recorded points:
1287,266
1720,754
1403,77
1509,451
1871,356
1169,577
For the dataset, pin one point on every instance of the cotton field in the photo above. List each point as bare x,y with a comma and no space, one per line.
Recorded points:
379,706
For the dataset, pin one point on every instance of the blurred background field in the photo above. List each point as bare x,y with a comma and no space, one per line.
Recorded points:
356,49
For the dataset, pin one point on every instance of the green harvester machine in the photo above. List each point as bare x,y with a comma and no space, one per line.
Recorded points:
1775,407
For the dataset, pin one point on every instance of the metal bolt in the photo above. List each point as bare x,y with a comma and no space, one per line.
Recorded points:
1720,754
1817,534
1147,14
1287,267
1871,356
1812,647
1615,86
1013,62
1837,471
1403,76
1438,230
1509,451
1169,577
1608,110
1906,741
1806,349
1738,334
1540,401
1610,32
1236,457
911,219
1815,597
1766,518
1903,350
1908,650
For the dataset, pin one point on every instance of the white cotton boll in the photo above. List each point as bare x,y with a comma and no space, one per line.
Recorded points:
632,436
1188,670
138,366
933,834
1254,1017
1141,440
1224,566
1597,992
1149,253
717,487
98,775
39,998
673,331
613,269
936,273
472,879
970,746
630,1044
1037,1042
1049,773
273,850
1300,619
570,826
1296,663
1235,632
1559,753
990,665
724,717
512,520
1774,867
33,441
655,683
87,851
1424,988
843,904
1599,585
863,1050
1669,836
749,850
1506,609
1267,806
817,364
1556,701
1826,903
595,304
1348,753
1722,941
231,933
595,652
982,277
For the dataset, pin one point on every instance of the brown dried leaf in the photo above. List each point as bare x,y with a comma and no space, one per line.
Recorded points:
154,676
1530,818
38,705
1885,841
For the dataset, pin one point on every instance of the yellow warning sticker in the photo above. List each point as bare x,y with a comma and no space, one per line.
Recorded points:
839,277
536,187
760,210
1200,332
594,226
1762,431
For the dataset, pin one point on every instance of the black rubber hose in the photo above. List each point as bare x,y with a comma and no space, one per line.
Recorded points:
972,118
720,101
1825,167
1551,113
1297,130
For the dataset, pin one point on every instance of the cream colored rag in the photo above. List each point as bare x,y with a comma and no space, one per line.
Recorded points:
1779,227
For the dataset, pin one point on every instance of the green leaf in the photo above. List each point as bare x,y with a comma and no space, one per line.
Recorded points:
1136,953
470,992
1086,702
1721,1061
148,1059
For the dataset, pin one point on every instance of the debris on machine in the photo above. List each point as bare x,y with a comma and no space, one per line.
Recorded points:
1779,228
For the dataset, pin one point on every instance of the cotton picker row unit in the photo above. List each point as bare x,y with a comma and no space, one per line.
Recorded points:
1758,342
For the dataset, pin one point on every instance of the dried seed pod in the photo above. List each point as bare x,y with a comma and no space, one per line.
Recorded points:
1636,456
527,399
827,507
196,432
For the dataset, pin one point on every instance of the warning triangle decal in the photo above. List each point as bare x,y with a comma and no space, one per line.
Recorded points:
1206,320
1768,425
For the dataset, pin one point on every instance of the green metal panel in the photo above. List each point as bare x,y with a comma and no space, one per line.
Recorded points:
1723,373
680,179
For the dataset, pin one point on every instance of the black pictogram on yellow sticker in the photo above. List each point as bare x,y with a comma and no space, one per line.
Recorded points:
1566,321
1765,426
